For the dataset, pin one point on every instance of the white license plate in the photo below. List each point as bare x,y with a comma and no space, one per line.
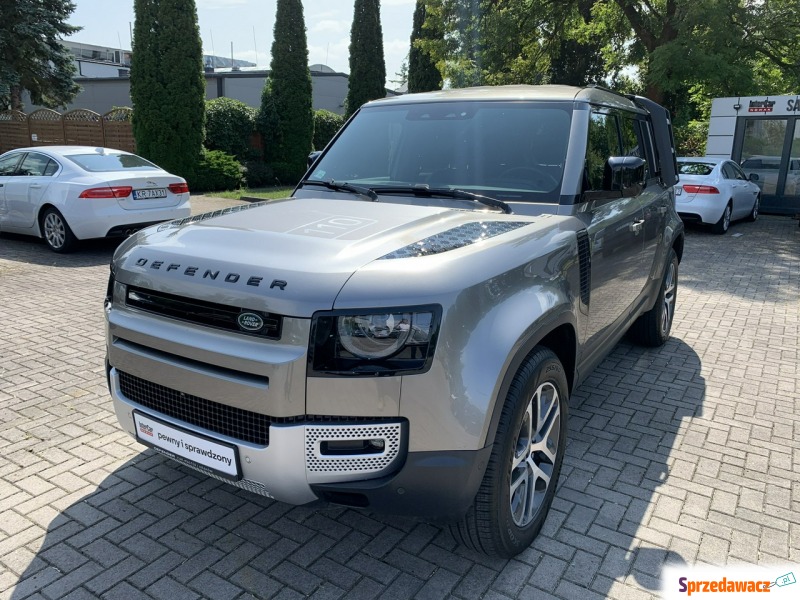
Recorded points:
678,191
148,194
210,455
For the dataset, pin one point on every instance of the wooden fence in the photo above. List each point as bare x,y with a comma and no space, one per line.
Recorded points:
78,127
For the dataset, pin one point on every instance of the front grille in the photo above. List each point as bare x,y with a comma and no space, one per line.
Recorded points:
210,314
220,418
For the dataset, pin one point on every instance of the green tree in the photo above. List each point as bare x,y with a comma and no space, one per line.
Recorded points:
367,66
32,57
285,119
167,85
423,76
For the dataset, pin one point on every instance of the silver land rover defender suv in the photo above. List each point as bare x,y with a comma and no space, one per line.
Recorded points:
403,333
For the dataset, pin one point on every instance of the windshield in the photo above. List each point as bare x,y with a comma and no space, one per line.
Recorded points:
99,163
695,168
505,150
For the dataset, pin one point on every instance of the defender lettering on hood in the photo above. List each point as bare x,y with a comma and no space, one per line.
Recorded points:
191,271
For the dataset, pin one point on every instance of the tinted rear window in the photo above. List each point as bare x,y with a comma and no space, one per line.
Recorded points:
100,163
695,168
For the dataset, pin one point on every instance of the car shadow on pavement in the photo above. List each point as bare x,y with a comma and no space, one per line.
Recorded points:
31,250
153,528
753,260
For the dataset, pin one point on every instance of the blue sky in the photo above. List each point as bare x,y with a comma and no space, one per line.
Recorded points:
249,23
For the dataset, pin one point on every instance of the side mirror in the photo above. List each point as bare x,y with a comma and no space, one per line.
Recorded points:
312,158
624,174
753,177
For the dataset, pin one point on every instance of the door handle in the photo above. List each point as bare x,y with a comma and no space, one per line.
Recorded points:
636,226
36,186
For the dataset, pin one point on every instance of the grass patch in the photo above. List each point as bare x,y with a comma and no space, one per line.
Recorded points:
266,193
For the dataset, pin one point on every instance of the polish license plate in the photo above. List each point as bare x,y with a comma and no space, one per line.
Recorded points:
208,455
148,194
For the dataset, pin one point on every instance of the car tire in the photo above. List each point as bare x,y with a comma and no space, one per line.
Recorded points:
56,232
524,465
653,327
754,213
721,226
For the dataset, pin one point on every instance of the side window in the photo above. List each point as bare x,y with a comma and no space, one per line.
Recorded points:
34,164
644,132
727,171
738,172
51,168
603,143
8,164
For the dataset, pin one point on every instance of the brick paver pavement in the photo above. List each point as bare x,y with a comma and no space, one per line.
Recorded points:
685,454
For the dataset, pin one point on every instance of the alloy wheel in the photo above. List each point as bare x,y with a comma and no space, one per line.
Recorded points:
534,458
670,286
54,230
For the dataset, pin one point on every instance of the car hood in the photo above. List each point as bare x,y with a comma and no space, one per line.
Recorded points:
292,256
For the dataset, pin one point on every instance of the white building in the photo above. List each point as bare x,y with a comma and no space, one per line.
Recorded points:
762,133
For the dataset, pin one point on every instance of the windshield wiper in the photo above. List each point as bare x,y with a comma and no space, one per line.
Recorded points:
343,187
426,191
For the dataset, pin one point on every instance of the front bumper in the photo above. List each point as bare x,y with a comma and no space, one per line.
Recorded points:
294,467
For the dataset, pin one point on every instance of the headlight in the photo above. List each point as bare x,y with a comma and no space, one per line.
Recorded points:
384,342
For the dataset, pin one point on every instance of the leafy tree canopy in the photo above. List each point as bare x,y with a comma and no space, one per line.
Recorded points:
675,51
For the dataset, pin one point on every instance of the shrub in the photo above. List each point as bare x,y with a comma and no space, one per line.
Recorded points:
257,173
229,124
326,124
216,171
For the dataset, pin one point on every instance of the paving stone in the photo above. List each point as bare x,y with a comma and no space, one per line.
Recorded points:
670,459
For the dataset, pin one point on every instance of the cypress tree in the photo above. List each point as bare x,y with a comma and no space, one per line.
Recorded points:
367,66
286,118
423,76
167,85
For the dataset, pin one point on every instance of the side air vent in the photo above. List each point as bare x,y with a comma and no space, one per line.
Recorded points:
585,261
458,237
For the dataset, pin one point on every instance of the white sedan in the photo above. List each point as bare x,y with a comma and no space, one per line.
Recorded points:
715,191
70,193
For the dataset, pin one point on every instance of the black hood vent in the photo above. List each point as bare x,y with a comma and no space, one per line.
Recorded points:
458,237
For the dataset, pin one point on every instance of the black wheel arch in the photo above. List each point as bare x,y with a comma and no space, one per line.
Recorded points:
559,335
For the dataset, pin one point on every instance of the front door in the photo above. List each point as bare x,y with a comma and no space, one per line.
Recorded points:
769,147
8,165
25,190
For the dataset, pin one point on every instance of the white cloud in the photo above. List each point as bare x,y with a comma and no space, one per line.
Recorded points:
216,4
340,27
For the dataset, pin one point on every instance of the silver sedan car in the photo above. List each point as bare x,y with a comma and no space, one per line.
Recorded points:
715,191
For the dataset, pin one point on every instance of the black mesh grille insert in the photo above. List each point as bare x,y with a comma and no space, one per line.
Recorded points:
227,420
585,259
210,314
